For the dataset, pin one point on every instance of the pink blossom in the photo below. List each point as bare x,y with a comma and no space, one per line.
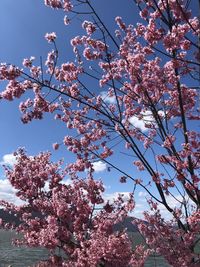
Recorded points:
50,37
89,27
66,20
146,111
53,3
28,62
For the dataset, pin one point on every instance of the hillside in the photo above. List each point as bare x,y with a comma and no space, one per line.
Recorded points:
9,217
127,223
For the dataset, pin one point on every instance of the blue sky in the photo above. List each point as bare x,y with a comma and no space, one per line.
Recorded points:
23,25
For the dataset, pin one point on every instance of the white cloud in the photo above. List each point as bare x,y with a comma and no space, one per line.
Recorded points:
108,99
8,159
142,194
142,205
138,123
68,181
138,209
173,202
99,166
146,120
113,196
8,193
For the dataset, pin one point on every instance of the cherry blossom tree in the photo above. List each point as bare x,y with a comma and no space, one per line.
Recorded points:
63,216
146,97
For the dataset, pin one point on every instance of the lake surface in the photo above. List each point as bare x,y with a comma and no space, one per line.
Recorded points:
25,257
17,256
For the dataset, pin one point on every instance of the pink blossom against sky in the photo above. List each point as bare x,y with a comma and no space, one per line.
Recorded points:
23,25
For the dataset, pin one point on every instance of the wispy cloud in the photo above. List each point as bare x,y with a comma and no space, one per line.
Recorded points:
108,99
139,124
147,119
99,166
139,208
173,202
113,196
142,194
8,159
8,193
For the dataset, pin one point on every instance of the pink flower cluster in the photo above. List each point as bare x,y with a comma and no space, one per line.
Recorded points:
9,72
65,216
50,37
147,102
168,240
66,5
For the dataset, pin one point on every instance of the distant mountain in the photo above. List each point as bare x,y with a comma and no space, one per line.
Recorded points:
9,217
126,223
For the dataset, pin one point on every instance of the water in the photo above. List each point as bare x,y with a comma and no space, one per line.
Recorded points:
25,257
18,256
156,261
152,261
